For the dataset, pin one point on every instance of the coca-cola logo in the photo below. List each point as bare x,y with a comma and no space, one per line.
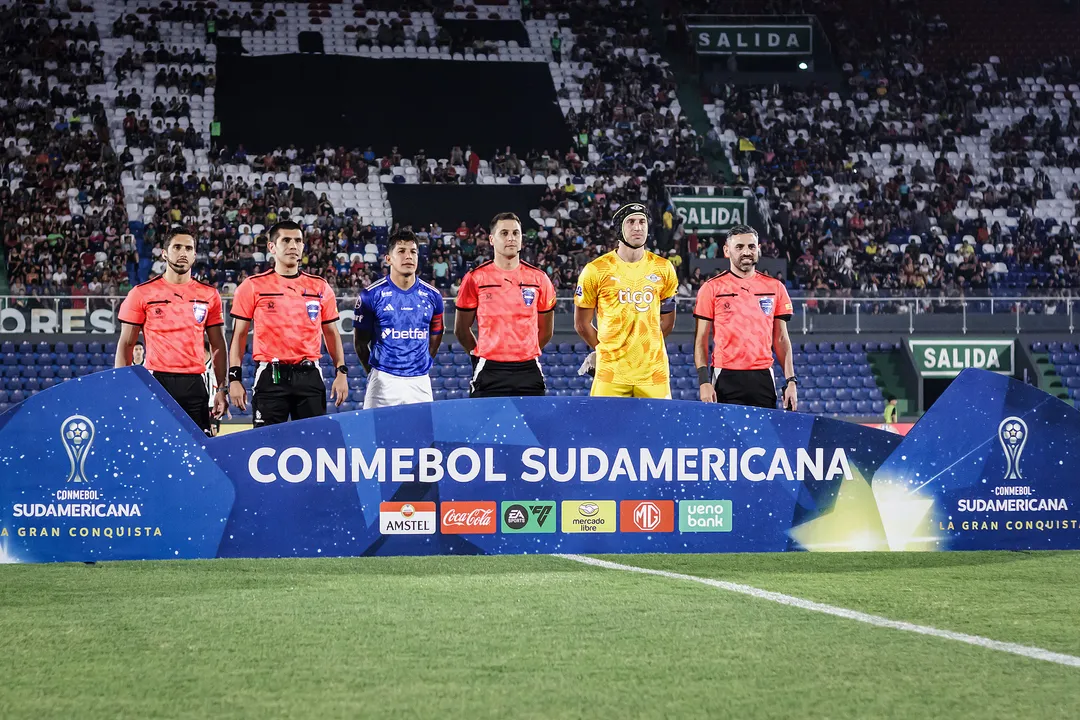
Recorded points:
471,518
468,517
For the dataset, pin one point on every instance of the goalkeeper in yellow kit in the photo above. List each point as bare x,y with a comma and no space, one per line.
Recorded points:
632,293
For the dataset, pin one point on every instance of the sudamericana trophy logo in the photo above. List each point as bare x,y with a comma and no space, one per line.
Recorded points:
1013,434
77,434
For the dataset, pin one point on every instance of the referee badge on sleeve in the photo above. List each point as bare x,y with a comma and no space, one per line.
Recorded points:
199,309
313,307
528,294
767,304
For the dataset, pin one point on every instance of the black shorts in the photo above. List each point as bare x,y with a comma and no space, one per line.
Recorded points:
507,379
190,392
298,393
755,388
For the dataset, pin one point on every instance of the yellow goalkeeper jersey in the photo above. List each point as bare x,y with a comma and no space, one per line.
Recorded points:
627,299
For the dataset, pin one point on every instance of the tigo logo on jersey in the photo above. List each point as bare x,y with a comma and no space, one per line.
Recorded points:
313,307
417,518
642,300
767,304
647,516
704,516
528,294
536,516
467,518
199,309
588,516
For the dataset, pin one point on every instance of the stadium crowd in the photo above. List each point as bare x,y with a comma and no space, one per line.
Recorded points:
841,220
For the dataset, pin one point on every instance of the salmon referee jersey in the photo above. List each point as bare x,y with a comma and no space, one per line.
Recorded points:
631,360
508,304
742,311
287,313
173,319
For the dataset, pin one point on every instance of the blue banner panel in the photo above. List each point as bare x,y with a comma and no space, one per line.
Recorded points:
109,467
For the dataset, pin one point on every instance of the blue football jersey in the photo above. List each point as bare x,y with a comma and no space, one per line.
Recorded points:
400,323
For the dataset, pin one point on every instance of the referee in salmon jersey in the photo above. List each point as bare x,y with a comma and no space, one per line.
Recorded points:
174,312
746,312
292,313
513,304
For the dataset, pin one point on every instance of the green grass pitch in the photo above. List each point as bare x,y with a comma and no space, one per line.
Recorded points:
537,637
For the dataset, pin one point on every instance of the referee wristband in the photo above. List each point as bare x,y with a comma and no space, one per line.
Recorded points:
236,374
703,376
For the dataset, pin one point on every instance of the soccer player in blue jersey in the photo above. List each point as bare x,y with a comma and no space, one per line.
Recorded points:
398,329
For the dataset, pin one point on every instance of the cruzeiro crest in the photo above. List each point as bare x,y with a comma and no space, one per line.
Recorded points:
1013,434
77,434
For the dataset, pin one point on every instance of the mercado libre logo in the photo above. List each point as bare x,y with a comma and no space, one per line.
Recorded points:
589,516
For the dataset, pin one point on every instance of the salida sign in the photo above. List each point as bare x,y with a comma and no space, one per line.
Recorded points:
709,215
946,358
753,39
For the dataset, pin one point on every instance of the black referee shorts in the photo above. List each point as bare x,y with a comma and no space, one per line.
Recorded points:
507,379
755,388
298,393
190,392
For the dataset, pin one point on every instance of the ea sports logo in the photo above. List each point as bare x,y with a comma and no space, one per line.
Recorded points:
642,300
647,516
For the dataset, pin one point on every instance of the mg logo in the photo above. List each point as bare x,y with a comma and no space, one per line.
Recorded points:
647,516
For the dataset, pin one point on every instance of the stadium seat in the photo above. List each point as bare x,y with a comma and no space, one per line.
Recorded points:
7,348
817,407
94,347
864,407
78,348
16,396
847,407
43,348
61,347
832,407
1038,346
843,394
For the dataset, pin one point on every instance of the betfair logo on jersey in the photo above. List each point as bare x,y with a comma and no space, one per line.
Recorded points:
642,300
411,334
590,516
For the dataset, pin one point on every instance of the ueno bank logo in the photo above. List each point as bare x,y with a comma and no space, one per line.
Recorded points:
642,300
468,518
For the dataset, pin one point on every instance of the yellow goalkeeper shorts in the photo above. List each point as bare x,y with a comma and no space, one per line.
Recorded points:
661,391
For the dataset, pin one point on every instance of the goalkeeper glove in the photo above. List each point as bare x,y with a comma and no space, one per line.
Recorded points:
589,366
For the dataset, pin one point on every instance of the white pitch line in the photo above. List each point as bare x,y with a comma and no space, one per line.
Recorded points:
875,620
